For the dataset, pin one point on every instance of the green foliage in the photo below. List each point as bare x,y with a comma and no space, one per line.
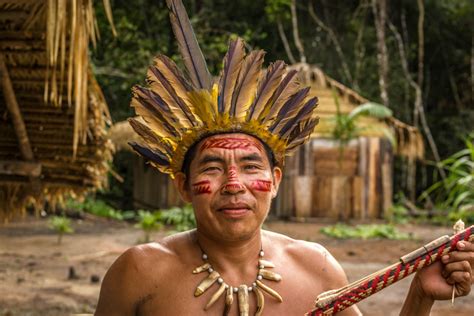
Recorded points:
456,191
346,127
61,225
278,10
398,214
343,231
182,218
99,208
148,222
346,124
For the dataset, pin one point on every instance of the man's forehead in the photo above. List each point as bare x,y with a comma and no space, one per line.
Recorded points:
232,141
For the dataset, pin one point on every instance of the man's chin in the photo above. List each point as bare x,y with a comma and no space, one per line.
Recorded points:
237,230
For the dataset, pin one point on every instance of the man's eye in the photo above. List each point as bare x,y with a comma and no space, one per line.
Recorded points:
251,167
210,169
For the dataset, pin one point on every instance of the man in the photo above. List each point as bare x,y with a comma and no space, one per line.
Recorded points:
156,279
224,144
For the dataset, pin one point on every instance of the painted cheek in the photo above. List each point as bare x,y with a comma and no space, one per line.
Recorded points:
261,185
202,187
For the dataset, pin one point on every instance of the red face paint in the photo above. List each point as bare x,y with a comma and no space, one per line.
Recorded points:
232,174
202,187
233,185
262,185
230,143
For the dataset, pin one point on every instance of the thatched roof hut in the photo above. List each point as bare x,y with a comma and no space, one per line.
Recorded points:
409,141
52,130
357,183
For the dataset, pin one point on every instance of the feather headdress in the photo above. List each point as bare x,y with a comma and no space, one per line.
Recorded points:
177,113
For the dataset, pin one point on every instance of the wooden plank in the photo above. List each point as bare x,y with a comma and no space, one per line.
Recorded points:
363,173
21,168
328,153
303,189
290,172
373,167
357,197
387,177
334,167
340,197
320,196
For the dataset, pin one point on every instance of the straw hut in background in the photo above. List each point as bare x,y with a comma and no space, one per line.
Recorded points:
52,127
318,181
322,181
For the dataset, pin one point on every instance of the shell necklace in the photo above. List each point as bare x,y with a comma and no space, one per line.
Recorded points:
242,291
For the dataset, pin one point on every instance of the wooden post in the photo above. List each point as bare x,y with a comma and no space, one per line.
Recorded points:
374,178
387,177
14,109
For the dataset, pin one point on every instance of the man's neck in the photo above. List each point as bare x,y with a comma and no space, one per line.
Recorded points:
238,254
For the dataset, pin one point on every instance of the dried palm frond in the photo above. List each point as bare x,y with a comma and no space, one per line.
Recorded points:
71,26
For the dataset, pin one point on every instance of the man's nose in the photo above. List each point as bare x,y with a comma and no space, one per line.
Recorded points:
233,184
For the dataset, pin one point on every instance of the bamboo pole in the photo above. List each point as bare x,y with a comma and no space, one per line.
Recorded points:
14,109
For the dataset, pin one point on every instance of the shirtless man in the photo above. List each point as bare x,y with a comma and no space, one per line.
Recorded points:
230,179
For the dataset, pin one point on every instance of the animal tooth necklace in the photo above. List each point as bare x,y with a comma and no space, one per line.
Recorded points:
242,291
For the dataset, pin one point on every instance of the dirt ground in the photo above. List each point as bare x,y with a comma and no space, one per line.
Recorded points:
35,276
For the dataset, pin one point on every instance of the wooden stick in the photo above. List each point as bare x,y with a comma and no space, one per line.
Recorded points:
14,109
337,300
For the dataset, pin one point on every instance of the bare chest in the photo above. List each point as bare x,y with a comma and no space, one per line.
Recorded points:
175,295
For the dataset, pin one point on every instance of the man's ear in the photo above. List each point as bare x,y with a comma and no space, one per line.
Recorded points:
180,184
277,173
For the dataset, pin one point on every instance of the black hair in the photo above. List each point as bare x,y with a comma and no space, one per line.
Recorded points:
191,153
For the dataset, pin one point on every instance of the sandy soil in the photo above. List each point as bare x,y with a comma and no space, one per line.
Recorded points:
35,270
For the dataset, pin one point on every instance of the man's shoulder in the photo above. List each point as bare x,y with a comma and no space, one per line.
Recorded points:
296,247
167,251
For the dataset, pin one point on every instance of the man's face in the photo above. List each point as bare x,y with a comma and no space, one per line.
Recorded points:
230,185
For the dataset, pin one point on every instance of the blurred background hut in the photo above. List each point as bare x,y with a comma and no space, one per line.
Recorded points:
53,114
320,179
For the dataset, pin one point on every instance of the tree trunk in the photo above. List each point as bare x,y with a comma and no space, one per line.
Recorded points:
379,8
296,35
284,40
335,41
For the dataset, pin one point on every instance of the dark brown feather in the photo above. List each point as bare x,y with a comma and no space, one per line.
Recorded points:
188,45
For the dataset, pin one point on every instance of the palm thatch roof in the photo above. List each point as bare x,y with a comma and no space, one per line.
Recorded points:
409,141
53,114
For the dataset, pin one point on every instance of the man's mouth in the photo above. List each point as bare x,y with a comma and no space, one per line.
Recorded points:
235,210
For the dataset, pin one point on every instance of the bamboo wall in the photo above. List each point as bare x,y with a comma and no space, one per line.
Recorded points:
356,184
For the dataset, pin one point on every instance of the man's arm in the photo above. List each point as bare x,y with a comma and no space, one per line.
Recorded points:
436,281
119,292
